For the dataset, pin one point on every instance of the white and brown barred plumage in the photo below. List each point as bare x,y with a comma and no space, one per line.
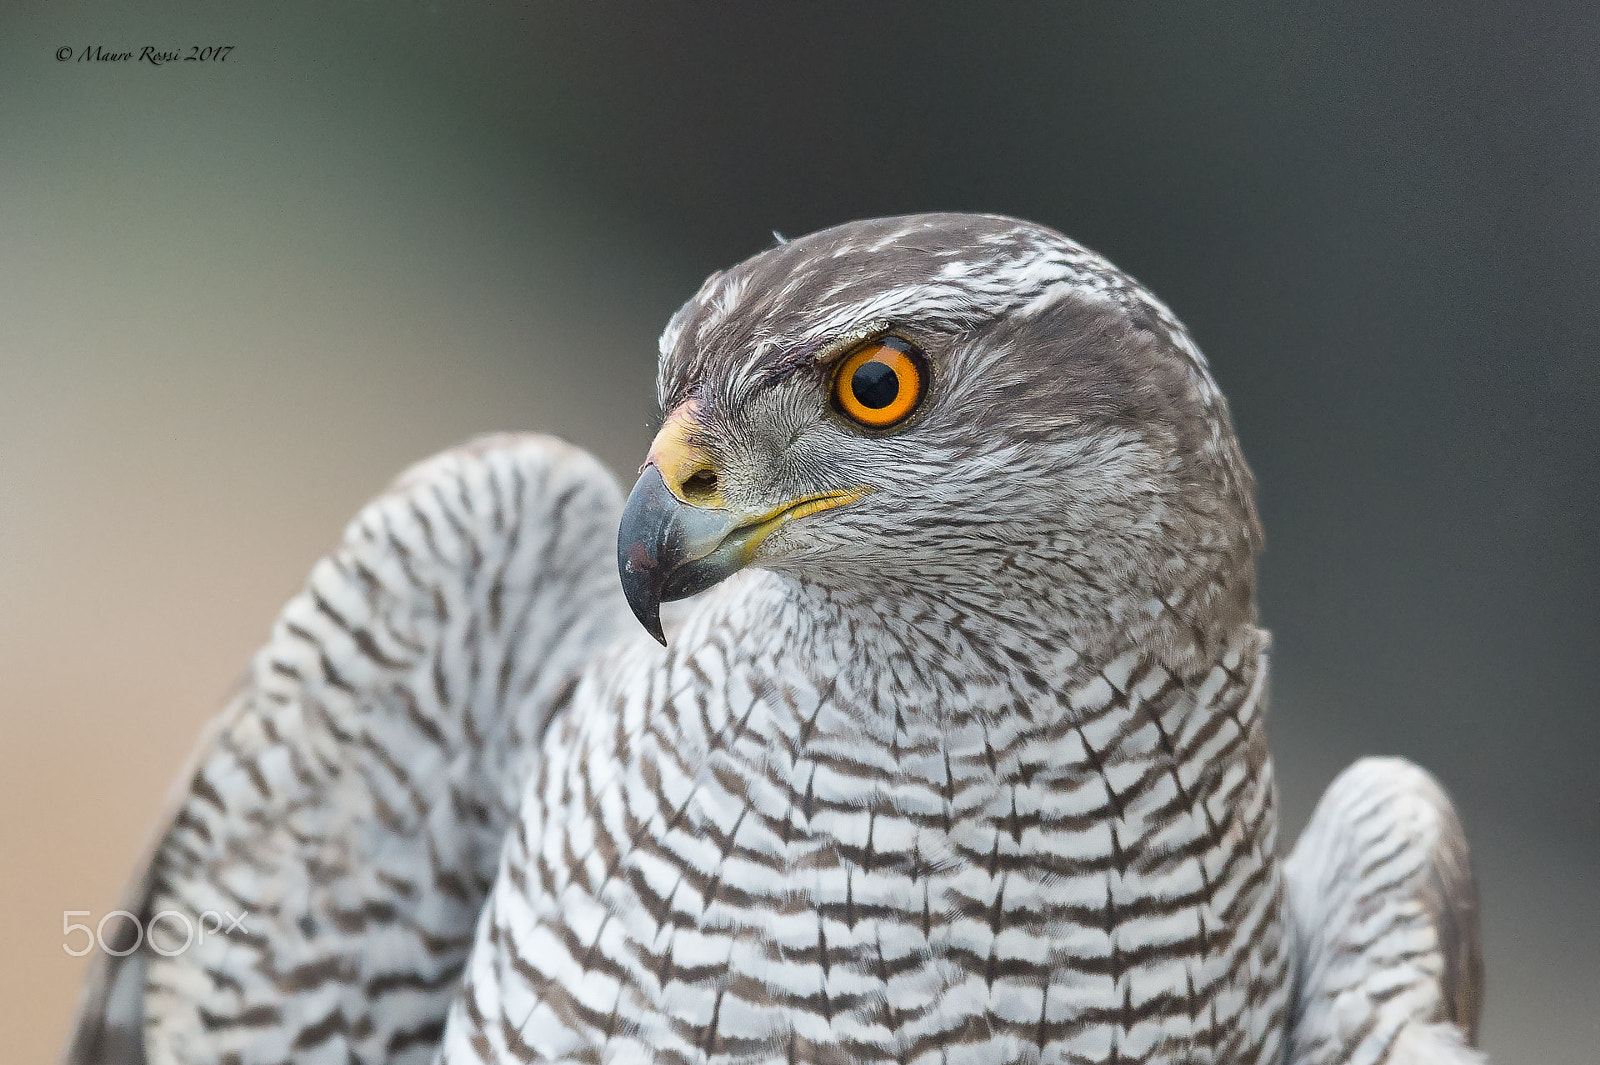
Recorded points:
353,796
971,769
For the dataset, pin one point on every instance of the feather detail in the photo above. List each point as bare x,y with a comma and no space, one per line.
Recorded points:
1386,911
351,801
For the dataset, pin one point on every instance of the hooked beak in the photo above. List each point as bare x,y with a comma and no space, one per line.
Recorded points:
670,548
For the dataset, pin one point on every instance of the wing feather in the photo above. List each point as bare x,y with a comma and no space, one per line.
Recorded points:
1385,909
351,800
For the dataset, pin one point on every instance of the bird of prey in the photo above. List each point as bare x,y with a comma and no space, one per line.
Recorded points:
954,751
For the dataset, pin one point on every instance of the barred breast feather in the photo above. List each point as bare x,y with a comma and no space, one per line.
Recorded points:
729,855
352,798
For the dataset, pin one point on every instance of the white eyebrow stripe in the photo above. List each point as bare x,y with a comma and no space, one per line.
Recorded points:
1014,269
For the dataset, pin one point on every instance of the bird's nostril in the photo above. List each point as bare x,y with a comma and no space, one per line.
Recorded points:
700,483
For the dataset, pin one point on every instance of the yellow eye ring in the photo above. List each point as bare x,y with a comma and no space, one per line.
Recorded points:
881,383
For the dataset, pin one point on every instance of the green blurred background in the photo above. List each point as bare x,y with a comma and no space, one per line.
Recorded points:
235,298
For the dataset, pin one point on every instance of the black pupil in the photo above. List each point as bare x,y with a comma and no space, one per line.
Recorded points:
875,385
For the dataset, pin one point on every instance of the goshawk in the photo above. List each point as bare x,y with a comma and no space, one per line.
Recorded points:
954,752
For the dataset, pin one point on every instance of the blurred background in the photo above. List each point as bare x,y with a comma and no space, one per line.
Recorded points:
236,297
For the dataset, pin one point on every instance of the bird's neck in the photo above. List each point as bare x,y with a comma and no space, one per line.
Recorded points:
1020,632
887,664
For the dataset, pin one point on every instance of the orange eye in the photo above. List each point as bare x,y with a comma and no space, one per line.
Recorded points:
881,384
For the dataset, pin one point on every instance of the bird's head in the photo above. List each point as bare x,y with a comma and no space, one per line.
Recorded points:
941,403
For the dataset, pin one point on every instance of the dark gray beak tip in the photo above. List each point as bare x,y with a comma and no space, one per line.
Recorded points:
645,529
668,549
644,602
